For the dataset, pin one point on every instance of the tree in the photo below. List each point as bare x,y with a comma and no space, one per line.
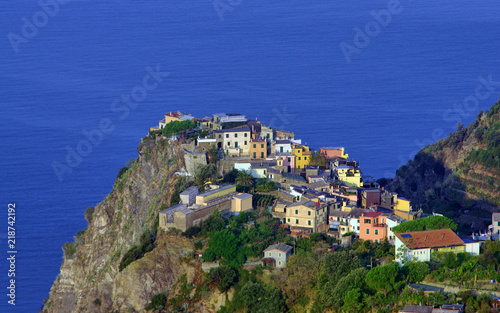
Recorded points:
213,154
337,265
177,127
352,301
318,159
333,295
204,174
157,302
245,180
224,244
382,278
427,223
259,299
223,276
415,271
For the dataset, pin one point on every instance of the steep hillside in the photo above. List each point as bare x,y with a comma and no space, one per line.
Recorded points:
90,279
458,176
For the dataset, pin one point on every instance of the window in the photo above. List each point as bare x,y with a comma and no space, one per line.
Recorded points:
227,135
236,144
279,254
279,262
298,166
358,227
305,158
269,254
254,145
299,159
289,160
262,155
229,143
246,135
367,221
298,198
220,136
296,221
281,149
288,220
376,240
296,211
245,142
367,231
376,231
236,135
308,222
262,145
254,155
308,212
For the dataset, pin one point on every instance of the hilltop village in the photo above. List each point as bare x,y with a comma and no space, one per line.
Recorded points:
234,166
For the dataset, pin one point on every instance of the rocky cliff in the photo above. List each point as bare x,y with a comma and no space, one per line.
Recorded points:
458,176
90,279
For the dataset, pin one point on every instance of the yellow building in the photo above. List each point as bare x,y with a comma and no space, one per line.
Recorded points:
307,214
302,155
349,175
403,209
204,198
241,202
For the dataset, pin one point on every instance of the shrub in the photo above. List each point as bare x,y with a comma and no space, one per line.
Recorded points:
146,245
69,249
157,302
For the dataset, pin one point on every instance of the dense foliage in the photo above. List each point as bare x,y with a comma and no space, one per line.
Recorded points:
427,223
146,244
175,127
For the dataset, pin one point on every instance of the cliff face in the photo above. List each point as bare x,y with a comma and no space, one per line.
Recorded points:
90,280
458,176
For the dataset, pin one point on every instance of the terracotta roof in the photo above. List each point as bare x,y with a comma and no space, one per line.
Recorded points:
430,239
372,214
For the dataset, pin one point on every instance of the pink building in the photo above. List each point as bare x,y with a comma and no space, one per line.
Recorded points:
331,152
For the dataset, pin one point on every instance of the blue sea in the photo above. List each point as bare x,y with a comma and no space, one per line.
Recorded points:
381,78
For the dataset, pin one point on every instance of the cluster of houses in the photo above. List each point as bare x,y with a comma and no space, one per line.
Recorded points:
331,199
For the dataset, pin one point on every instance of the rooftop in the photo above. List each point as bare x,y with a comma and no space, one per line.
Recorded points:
233,130
190,190
175,208
372,214
280,246
331,148
243,196
207,193
496,217
417,309
430,238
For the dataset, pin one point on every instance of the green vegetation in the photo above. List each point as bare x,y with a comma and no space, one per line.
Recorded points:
146,244
69,249
205,174
223,277
175,127
318,159
244,181
157,302
213,155
260,200
427,223
266,186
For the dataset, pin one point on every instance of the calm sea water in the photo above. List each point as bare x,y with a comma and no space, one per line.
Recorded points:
280,62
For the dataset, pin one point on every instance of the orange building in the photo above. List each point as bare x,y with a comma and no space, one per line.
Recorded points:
373,227
258,149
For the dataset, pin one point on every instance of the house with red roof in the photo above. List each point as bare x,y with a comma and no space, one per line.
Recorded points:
419,245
